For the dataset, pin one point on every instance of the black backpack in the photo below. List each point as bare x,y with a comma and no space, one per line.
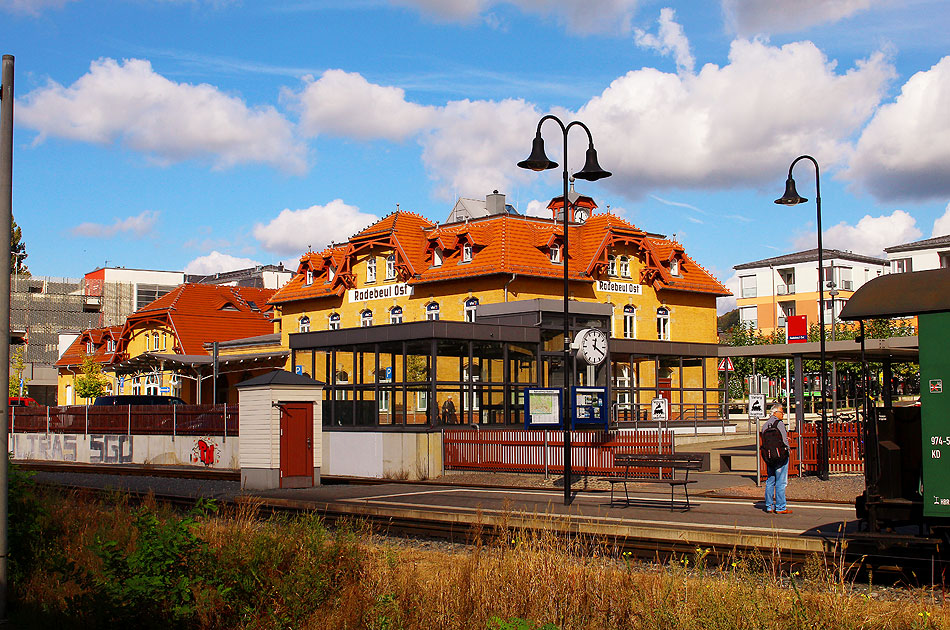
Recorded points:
773,449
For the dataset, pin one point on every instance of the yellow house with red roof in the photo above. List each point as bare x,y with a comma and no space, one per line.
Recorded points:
167,346
413,322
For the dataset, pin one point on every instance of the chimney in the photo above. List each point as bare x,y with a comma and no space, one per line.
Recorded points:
495,203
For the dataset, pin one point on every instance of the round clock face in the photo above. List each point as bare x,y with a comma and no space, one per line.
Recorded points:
594,346
581,215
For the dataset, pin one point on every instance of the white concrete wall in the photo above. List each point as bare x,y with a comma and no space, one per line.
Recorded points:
382,455
199,451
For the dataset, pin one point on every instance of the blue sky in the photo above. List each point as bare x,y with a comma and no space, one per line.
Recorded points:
205,135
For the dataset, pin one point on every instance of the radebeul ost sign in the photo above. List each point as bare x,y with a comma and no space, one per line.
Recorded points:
399,289
606,286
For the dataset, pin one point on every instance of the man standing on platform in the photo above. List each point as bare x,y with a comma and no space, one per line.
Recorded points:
774,449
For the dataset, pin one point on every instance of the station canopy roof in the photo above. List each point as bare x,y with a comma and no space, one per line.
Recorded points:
900,295
896,349
152,361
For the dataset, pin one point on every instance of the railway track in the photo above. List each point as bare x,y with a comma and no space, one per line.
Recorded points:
900,557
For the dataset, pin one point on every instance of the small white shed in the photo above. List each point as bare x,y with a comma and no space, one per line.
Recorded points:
281,429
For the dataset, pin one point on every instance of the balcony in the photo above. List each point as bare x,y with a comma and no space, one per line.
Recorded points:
781,322
784,289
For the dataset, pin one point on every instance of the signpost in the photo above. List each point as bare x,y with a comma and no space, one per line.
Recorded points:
756,413
796,328
725,365
659,410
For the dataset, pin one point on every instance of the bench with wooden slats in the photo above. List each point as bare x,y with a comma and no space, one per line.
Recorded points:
669,461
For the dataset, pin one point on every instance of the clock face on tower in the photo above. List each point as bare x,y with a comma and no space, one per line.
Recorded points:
581,215
593,346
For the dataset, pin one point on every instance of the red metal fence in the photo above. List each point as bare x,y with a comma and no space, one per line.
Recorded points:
845,449
137,420
511,450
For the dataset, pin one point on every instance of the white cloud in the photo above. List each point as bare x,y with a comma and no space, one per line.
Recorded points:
345,104
726,304
869,236
670,39
293,231
129,102
904,152
942,224
137,226
579,16
751,17
537,208
31,7
216,262
735,125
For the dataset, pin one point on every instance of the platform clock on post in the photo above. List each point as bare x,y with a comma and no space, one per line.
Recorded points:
592,345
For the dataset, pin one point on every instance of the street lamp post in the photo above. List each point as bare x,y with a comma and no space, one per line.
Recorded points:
592,171
792,198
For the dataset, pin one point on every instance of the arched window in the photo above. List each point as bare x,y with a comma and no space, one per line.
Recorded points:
395,315
366,318
90,348
334,321
436,257
155,345
471,305
303,324
467,252
675,267
624,266
629,322
371,269
148,342
663,323
555,253
611,265
309,277
432,311
391,267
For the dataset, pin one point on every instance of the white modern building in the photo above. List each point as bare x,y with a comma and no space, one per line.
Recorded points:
931,253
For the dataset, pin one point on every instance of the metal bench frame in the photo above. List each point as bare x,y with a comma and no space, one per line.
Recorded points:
674,462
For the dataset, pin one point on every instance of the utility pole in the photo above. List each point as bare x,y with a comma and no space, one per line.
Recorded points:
6,219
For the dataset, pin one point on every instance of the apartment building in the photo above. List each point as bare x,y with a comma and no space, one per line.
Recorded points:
931,253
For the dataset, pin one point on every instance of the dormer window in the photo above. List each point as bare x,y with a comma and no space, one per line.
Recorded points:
467,252
331,273
90,348
110,345
371,269
675,267
555,253
611,265
436,258
309,277
624,266
391,267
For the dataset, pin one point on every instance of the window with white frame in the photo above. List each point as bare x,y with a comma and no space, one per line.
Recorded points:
622,383
902,265
395,315
366,318
148,342
309,277
467,252
555,253
391,267
613,323
422,401
155,345
471,305
845,282
749,316
371,269
624,266
436,258
303,324
432,311
611,265
110,345
90,348
663,323
675,267
334,322
342,378
629,322
748,286
331,273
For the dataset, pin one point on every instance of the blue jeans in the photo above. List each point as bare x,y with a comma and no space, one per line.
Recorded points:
775,487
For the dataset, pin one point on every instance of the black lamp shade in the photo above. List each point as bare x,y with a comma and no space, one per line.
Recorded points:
791,196
592,171
537,161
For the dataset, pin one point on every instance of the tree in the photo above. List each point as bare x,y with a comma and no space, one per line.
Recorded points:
17,365
17,250
91,382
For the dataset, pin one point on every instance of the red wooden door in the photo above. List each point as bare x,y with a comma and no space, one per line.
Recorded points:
296,445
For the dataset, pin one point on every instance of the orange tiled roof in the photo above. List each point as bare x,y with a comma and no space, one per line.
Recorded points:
202,313
98,336
501,244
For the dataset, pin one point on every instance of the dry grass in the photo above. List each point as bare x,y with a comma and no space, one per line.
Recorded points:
290,572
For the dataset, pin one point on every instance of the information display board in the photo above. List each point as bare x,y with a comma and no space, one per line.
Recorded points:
542,408
589,406
935,412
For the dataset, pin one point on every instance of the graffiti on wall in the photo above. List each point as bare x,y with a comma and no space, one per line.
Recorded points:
206,452
110,449
52,446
